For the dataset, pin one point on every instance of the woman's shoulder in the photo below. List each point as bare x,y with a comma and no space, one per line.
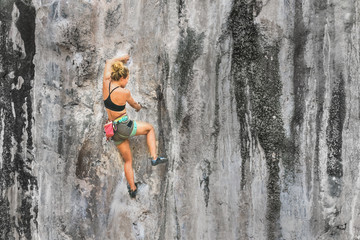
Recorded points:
121,94
124,91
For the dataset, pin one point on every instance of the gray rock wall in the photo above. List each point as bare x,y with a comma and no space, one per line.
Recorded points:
255,103
18,182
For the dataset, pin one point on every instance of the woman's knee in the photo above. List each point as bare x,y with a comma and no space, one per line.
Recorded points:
144,128
148,126
151,127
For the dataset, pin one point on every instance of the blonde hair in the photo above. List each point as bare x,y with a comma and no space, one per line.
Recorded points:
119,71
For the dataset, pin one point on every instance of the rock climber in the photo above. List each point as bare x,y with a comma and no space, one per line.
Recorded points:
115,96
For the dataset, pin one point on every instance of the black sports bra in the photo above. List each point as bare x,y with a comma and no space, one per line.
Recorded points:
112,106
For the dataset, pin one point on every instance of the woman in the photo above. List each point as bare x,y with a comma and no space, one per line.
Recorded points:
115,97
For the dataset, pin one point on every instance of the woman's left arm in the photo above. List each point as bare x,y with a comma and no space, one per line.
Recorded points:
137,106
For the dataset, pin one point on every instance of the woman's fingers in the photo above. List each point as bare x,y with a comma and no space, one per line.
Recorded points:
126,58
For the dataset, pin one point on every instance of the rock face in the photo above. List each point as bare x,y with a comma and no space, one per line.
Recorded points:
255,103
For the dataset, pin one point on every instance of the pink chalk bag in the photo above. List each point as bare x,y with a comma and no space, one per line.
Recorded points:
109,130
110,126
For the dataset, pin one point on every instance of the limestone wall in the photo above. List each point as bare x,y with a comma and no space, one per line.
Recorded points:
255,103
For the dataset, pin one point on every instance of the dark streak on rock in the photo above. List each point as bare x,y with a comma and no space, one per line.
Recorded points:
319,28
26,217
254,65
205,180
185,138
190,49
334,136
300,69
267,119
84,160
300,76
181,9
164,122
319,22
112,20
337,113
163,207
15,125
61,138
6,222
216,126
244,51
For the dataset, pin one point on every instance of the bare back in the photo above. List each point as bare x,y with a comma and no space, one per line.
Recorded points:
120,96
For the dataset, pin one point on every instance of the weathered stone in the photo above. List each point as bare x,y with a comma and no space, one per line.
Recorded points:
254,102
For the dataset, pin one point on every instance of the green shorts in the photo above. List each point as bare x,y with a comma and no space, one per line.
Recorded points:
123,129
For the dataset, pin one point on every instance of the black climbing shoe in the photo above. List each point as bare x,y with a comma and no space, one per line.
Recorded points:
158,161
133,193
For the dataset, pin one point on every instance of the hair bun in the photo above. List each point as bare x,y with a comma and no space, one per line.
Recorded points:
119,71
117,66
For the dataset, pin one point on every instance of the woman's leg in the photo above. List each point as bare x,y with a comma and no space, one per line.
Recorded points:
144,128
124,149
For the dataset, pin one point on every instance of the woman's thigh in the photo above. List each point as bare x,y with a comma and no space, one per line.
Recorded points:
143,128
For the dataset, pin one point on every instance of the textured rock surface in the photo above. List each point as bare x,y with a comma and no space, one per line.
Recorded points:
255,102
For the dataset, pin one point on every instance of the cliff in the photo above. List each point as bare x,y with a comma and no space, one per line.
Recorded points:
255,103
